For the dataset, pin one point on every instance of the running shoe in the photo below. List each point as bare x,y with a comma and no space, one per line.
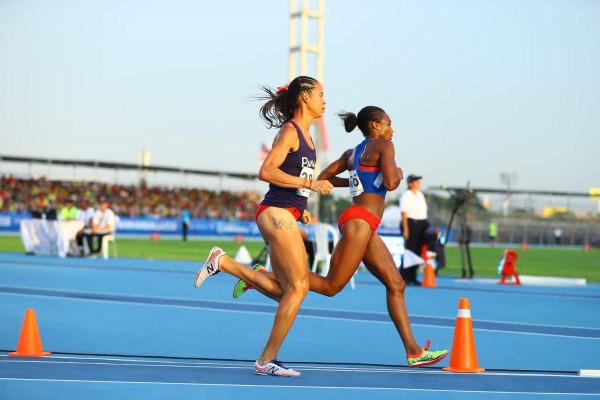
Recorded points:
274,368
210,267
241,286
426,357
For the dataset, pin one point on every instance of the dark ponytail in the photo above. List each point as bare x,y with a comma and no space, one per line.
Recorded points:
349,120
366,115
281,104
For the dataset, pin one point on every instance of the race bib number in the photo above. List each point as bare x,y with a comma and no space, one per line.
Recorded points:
356,187
306,173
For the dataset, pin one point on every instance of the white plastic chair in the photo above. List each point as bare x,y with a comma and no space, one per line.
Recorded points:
322,232
106,240
110,238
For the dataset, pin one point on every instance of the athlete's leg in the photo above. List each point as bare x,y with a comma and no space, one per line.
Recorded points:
266,283
345,259
288,259
380,263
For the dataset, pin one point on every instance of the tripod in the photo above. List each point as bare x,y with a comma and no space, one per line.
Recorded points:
459,209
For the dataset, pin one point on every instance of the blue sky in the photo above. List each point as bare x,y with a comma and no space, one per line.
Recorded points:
474,88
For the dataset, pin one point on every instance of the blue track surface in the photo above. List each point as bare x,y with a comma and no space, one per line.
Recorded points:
125,328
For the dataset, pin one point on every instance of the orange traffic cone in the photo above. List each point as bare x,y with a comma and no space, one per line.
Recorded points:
428,272
463,357
30,344
429,276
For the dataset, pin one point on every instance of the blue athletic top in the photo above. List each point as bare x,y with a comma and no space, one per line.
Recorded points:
299,163
365,179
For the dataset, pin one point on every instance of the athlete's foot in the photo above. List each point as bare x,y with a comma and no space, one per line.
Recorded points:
241,286
426,357
210,267
274,368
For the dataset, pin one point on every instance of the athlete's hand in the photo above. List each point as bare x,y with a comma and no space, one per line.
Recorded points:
400,173
305,218
322,187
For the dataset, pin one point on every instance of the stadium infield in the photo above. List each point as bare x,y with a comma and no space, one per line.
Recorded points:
566,262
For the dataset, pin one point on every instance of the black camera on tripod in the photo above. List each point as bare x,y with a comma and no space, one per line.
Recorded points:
463,233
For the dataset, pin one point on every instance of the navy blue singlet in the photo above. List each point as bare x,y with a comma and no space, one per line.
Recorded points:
299,163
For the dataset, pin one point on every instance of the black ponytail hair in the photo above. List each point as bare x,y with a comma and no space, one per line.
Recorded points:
366,115
281,104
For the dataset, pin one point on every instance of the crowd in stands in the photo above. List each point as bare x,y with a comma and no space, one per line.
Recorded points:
42,195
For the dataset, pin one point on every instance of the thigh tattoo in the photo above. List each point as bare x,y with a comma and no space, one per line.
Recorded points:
282,223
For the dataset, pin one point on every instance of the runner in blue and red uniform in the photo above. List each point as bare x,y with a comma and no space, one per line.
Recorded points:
373,172
289,169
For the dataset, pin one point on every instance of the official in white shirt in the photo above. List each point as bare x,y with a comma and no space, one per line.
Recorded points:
414,224
103,223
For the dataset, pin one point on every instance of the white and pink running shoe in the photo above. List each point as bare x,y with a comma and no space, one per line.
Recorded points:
274,368
210,267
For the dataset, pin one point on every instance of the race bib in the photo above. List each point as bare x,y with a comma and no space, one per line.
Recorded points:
305,173
356,187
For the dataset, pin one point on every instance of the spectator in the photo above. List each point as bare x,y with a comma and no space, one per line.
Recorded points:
85,214
50,212
185,221
557,235
103,223
35,194
493,232
69,211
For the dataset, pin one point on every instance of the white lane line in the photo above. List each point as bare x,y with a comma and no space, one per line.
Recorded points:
591,373
302,367
296,387
127,298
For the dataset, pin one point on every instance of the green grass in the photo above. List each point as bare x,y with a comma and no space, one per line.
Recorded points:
165,249
193,250
539,261
565,262
11,244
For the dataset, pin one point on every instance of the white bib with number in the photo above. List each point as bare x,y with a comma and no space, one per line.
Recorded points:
306,173
356,187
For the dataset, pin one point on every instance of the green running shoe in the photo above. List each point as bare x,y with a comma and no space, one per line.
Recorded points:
426,357
241,286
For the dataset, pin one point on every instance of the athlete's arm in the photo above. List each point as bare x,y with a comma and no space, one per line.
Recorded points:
392,175
305,219
335,168
286,141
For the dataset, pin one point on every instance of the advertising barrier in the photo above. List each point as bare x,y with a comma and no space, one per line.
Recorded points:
147,226
10,222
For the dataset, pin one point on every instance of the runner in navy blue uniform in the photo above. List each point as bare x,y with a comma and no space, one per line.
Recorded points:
372,173
289,169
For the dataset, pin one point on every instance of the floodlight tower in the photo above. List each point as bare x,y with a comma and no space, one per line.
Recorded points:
143,164
300,50
508,179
